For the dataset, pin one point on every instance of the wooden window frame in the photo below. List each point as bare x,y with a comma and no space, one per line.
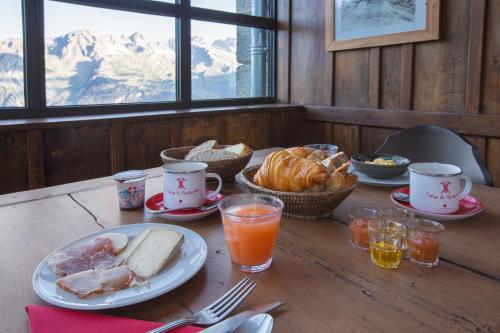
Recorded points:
34,58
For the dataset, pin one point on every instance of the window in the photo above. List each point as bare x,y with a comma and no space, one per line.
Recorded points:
228,61
117,56
11,54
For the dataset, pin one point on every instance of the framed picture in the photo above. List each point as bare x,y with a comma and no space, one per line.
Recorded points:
352,24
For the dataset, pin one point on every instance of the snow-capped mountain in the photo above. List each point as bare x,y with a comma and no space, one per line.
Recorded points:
87,68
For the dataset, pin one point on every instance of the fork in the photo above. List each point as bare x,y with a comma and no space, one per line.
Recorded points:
216,311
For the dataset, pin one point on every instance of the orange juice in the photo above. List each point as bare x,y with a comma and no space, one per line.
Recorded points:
251,231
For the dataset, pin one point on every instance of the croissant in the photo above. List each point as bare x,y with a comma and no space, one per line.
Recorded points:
283,171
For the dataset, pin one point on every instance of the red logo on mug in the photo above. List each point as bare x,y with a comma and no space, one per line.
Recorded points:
180,185
445,185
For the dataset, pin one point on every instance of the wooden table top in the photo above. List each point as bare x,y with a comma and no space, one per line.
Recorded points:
327,284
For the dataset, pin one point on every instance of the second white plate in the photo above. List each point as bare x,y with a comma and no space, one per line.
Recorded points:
185,265
393,182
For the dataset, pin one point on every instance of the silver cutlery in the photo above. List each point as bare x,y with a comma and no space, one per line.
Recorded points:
202,208
233,322
400,196
261,323
216,311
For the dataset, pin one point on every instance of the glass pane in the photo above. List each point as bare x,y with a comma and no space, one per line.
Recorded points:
222,64
11,54
248,7
103,56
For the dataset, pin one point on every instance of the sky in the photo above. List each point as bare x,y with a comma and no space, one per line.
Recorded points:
61,18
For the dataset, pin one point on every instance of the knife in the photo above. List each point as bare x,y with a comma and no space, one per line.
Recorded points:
228,325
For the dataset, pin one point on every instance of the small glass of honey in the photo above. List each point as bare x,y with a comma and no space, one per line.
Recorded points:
401,215
387,239
358,218
424,242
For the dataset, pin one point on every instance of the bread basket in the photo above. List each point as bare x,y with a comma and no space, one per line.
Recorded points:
227,169
307,206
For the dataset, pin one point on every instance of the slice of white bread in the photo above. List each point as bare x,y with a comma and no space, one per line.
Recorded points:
240,149
154,252
119,241
212,155
210,144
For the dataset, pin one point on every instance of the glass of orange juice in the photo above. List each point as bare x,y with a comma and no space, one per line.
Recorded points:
251,224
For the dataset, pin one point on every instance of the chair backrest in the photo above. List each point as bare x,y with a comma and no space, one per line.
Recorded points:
430,143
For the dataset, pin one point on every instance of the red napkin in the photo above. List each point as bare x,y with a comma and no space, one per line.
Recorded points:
45,319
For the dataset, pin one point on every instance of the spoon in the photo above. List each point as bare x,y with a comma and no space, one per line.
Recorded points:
261,323
202,208
400,196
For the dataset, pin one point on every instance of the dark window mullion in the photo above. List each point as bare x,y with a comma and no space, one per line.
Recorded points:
184,56
137,6
217,16
34,54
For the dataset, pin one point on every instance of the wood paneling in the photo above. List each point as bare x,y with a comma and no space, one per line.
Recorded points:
193,131
493,160
73,154
311,65
352,80
346,137
36,162
490,100
373,137
252,128
143,143
475,55
117,148
390,77
13,162
441,71
54,154
463,123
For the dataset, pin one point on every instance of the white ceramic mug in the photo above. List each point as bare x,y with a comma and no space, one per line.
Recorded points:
184,184
436,187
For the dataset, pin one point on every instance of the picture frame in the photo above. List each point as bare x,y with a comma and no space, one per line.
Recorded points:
350,30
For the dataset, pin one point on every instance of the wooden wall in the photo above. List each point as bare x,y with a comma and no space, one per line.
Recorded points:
41,155
453,82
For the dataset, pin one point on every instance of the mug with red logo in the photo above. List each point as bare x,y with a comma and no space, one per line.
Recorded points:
184,185
436,187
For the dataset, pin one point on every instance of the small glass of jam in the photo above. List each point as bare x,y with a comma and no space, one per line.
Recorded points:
358,219
424,242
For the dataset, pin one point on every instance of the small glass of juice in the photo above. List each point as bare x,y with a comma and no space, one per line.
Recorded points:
251,224
387,238
424,241
358,218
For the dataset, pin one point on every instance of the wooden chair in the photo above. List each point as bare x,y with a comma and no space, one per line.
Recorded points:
430,143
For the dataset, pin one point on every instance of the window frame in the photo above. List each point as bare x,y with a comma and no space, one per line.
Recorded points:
34,57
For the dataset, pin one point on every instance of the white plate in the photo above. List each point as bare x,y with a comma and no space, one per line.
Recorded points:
184,266
364,179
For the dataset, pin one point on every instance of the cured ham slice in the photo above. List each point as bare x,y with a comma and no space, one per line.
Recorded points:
104,260
81,284
93,282
99,253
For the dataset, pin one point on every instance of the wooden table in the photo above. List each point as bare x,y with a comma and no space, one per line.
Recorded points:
327,284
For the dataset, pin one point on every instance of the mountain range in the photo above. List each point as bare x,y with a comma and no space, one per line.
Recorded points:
87,68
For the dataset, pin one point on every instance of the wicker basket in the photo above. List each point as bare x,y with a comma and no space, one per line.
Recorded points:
308,206
227,169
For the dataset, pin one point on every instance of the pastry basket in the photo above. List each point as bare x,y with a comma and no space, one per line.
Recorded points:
303,205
